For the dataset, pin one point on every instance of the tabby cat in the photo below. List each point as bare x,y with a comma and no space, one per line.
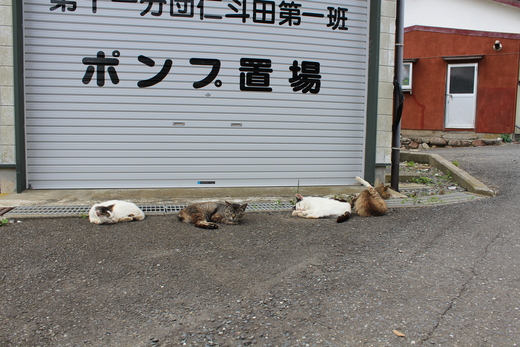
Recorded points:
371,201
205,215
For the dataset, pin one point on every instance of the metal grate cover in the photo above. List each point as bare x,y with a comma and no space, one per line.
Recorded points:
4,210
75,211
47,211
444,199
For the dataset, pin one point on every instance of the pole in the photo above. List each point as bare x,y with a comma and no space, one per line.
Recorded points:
398,95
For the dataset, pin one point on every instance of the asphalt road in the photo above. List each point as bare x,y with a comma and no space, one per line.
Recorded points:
445,275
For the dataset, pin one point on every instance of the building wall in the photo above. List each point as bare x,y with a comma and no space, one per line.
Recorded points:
7,138
7,122
481,15
497,79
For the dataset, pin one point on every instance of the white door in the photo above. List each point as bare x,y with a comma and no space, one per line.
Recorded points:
461,96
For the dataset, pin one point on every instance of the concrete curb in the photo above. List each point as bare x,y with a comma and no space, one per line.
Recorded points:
460,176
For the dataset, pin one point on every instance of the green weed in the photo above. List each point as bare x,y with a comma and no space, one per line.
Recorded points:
421,180
506,137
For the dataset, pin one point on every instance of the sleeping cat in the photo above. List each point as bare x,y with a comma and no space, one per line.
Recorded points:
114,211
202,214
371,201
314,207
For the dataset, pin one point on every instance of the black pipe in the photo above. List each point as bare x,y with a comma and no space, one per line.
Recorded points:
398,95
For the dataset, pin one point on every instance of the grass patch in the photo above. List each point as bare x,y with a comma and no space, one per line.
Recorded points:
421,180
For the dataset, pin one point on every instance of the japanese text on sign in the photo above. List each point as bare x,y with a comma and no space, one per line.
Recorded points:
259,11
254,73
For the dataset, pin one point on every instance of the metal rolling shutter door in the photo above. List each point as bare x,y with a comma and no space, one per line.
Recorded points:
150,127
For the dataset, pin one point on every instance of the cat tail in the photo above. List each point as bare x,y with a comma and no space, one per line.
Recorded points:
343,218
363,182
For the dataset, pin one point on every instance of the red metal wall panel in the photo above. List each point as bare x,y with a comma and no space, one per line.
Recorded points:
497,78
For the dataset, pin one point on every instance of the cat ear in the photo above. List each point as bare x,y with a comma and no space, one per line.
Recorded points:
299,197
228,203
243,207
110,207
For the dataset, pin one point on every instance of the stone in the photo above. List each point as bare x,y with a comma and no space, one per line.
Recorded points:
478,143
438,141
413,145
424,145
455,143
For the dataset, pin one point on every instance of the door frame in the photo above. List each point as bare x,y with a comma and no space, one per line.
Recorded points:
468,98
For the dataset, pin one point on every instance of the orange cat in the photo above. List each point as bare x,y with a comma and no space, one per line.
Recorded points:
371,202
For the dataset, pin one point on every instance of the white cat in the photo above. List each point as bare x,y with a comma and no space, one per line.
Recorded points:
114,211
313,207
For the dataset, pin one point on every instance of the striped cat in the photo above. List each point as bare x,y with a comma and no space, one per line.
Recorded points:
205,215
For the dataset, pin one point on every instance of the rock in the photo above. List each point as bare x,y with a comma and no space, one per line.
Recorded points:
425,146
438,141
478,143
413,145
405,140
417,139
455,143
489,142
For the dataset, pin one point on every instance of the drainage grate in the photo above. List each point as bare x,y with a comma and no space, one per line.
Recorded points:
47,211
153,209
75,211
4,210
445,199
174,208
269,206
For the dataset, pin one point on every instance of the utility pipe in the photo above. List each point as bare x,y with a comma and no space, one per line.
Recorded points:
398,95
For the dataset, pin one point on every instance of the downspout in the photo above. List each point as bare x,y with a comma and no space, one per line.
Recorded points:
373,90
398,95
19,99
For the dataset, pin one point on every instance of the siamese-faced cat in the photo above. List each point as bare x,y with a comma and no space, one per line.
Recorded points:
115,211
316,207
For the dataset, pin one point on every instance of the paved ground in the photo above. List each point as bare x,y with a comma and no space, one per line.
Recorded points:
446,275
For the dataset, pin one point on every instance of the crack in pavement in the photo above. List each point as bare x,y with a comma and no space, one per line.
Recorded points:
462,288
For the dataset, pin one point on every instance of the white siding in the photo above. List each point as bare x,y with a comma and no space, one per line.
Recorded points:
81,135
479,15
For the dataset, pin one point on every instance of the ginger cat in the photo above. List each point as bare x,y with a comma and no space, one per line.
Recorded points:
371,202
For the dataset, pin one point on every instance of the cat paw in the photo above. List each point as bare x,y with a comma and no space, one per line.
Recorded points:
207,226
